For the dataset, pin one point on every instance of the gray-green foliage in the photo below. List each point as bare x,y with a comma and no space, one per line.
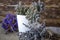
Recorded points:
21,10
30,11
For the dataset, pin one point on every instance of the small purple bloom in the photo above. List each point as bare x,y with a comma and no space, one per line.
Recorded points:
11,20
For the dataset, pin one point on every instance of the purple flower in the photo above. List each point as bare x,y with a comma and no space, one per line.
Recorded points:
10,20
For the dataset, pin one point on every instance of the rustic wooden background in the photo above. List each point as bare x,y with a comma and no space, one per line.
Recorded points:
51,13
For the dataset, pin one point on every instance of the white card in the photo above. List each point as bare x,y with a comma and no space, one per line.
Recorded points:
22,19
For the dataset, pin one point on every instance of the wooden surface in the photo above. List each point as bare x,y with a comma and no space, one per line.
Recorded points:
53,22
52,12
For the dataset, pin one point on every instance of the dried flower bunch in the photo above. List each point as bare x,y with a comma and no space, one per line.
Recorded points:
37,31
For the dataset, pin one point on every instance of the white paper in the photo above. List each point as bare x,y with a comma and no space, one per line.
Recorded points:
22,19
